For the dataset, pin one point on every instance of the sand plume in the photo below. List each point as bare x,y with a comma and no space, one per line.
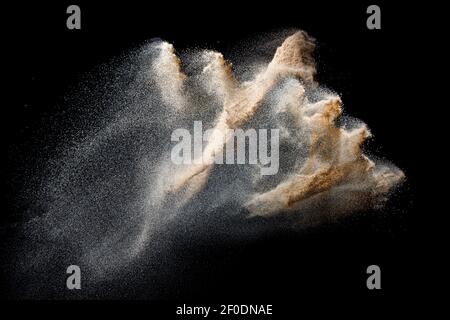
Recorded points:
334,156
114,191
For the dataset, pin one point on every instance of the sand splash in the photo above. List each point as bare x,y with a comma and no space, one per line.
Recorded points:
334,160
113,194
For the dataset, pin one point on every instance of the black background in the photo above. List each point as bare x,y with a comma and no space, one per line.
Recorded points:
376,73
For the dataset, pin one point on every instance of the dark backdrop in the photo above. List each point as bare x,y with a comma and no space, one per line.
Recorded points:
373,70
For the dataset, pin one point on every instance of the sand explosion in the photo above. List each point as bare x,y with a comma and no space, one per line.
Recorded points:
334,163
112,195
